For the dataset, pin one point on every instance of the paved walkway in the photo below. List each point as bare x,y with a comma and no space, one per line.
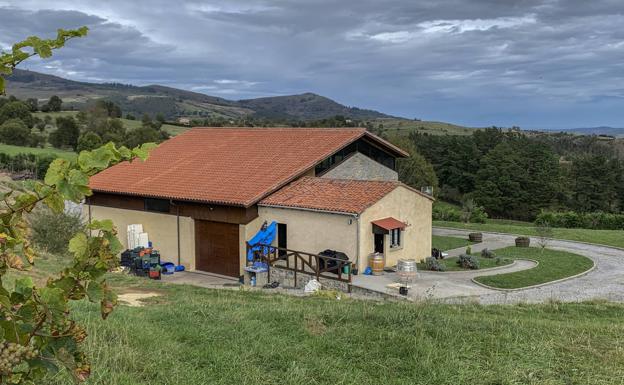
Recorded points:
605,282
196,278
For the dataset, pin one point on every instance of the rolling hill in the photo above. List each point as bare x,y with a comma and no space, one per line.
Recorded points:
173,102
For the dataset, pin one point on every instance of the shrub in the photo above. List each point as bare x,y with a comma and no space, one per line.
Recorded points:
442,213
468,262
15,132
487,253
478,215
52,231
570,219
468,250
433,264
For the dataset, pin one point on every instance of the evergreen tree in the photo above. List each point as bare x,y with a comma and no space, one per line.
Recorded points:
415,171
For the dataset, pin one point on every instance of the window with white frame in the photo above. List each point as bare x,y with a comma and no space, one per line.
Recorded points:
395,238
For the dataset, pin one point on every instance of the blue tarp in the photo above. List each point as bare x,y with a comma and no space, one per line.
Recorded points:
264,236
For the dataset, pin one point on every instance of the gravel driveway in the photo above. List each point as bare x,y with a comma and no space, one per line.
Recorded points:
606,281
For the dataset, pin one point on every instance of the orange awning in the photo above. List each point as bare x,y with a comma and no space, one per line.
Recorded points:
389,224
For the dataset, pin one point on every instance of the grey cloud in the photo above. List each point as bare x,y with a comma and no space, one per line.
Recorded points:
480,62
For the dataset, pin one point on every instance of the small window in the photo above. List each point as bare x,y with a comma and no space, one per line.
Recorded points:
395,238
160,205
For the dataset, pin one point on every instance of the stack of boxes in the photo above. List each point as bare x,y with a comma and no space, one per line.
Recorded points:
142,261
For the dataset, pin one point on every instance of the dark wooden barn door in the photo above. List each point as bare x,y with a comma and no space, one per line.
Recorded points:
217,248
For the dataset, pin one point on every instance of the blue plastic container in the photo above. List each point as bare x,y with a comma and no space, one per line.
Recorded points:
179,268
168,268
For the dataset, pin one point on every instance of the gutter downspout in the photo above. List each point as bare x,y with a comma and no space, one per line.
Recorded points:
357,248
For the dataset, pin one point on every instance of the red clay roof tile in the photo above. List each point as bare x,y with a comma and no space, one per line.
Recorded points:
336,195
233,166
389,223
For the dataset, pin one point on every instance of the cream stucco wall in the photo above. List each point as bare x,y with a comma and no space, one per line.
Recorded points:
311,231
161,228
407,206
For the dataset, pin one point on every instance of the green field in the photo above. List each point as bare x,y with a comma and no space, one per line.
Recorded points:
194,336
604,237
484,263
14,150
129,124
553,265
448,243
402,127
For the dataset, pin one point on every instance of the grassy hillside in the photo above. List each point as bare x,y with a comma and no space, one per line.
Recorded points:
402,127
174,102
129,124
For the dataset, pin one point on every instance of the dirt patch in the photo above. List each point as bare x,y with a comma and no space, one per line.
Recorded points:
135,299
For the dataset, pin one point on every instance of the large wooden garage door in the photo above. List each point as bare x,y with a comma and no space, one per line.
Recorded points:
216,248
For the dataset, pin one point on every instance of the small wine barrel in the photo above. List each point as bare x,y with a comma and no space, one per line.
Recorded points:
406,270
475,237
523,242
377,263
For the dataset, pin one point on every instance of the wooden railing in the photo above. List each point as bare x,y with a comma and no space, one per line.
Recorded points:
304,263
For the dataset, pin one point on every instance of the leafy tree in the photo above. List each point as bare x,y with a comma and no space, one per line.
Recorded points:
112,110
33,104
112,130
88,141
55,103
415,171
16,110
145,134
66,134
15,132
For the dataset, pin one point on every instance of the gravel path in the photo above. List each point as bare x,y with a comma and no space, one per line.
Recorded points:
605,282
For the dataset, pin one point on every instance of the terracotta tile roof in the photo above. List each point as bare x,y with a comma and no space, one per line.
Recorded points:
336,195
389,223
234,166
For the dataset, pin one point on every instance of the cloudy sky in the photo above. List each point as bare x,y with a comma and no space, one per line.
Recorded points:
536,64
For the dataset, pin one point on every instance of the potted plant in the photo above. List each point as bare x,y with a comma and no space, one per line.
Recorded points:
475,237
523,241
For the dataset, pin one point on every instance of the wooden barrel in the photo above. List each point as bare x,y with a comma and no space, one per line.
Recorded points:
523,242
377,263
475,237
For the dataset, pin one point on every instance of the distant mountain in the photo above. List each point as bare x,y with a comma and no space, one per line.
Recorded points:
602,130
174,102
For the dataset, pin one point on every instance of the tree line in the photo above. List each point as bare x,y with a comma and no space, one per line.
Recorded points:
516,176
98,124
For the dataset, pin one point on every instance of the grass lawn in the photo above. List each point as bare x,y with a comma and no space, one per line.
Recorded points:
444,243
553,265
484,263
14,150
196,336
605,237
